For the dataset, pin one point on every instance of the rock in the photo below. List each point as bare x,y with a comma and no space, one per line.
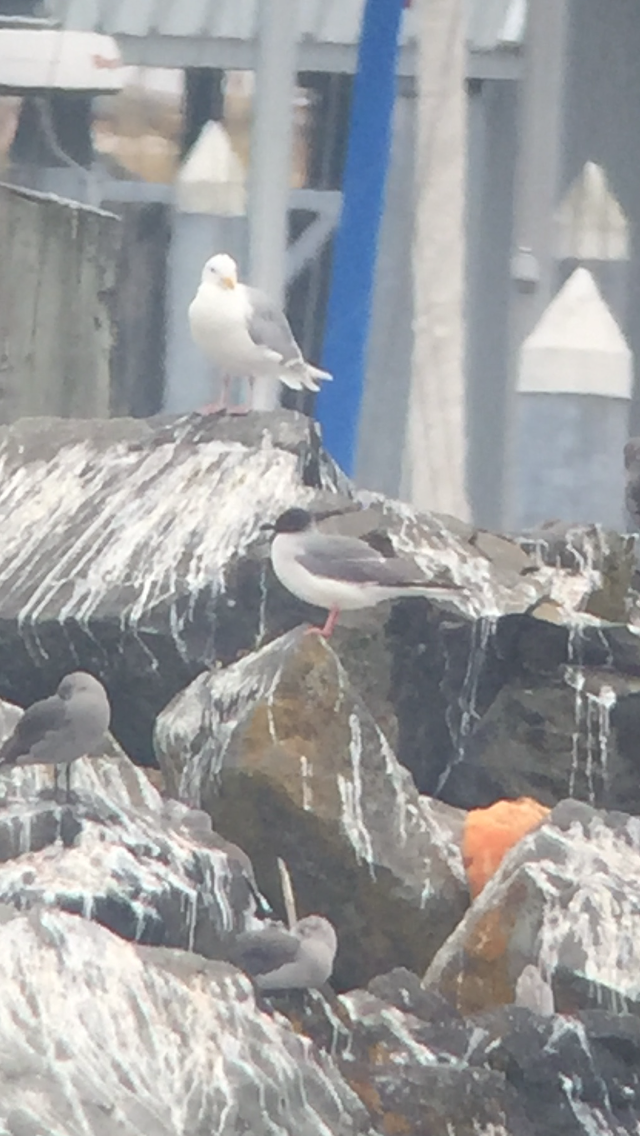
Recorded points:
282,753
422,1068
151,569
115,856
132,549
571,734
410,1071
565,898
533,992
572,1077
126,548
100,1036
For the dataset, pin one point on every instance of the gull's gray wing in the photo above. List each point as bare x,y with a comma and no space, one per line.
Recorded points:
269,327
349,559
259,952
39,720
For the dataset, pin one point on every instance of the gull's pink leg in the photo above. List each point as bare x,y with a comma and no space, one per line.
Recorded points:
246,408
330,623
220,407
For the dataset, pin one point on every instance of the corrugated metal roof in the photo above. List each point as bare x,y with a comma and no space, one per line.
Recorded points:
325,21
222,32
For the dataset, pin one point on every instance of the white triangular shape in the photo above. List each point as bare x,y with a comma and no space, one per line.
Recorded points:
212,178
589,222
577,346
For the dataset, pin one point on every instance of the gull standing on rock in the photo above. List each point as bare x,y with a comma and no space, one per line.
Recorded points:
341,573
299,959
59,730
244,334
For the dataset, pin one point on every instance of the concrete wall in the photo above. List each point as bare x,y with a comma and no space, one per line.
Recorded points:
57,275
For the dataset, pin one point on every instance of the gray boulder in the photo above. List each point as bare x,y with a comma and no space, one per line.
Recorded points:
99,1035
119,856
132,549
566,898
283,754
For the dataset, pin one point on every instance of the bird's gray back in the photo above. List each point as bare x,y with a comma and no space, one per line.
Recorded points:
259,952
352,560
56,730
39,724
268,326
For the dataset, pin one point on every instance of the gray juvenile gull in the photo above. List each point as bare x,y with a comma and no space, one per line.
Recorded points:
278,959
60,729
341,573
244,334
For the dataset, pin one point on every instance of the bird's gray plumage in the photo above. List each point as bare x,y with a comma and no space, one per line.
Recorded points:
278,959
260,951
269,327
62,728
349,559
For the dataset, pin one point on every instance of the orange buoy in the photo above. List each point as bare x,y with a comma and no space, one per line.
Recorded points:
490,833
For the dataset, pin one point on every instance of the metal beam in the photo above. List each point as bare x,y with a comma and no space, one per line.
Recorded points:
270,170
237,54
336,58
536,193
309,244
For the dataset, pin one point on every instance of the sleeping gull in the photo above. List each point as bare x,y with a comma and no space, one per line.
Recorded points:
60,729
341,573
299,959
244,334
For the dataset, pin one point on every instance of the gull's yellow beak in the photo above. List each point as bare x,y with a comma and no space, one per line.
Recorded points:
228,282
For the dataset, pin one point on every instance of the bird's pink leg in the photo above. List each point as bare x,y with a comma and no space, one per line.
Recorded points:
244,409
330,623
220,407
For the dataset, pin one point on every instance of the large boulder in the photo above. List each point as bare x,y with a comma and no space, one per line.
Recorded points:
565,898
133,549
118,854
101,1036
284,755
565,723
420,1067
127,550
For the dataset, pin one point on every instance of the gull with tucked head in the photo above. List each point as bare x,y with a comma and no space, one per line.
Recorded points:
278,959
244,334
341,573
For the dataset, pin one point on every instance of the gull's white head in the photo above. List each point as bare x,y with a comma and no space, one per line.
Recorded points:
220,270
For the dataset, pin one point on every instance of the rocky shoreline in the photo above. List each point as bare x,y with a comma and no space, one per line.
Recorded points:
133,550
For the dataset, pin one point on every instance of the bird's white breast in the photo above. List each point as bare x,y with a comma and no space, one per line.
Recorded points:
318,590
218,321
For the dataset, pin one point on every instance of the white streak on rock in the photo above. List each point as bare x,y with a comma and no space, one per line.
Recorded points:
119,1017
306,772
163,522
353,820
461,723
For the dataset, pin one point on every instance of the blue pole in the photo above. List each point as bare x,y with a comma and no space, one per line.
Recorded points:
356,240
